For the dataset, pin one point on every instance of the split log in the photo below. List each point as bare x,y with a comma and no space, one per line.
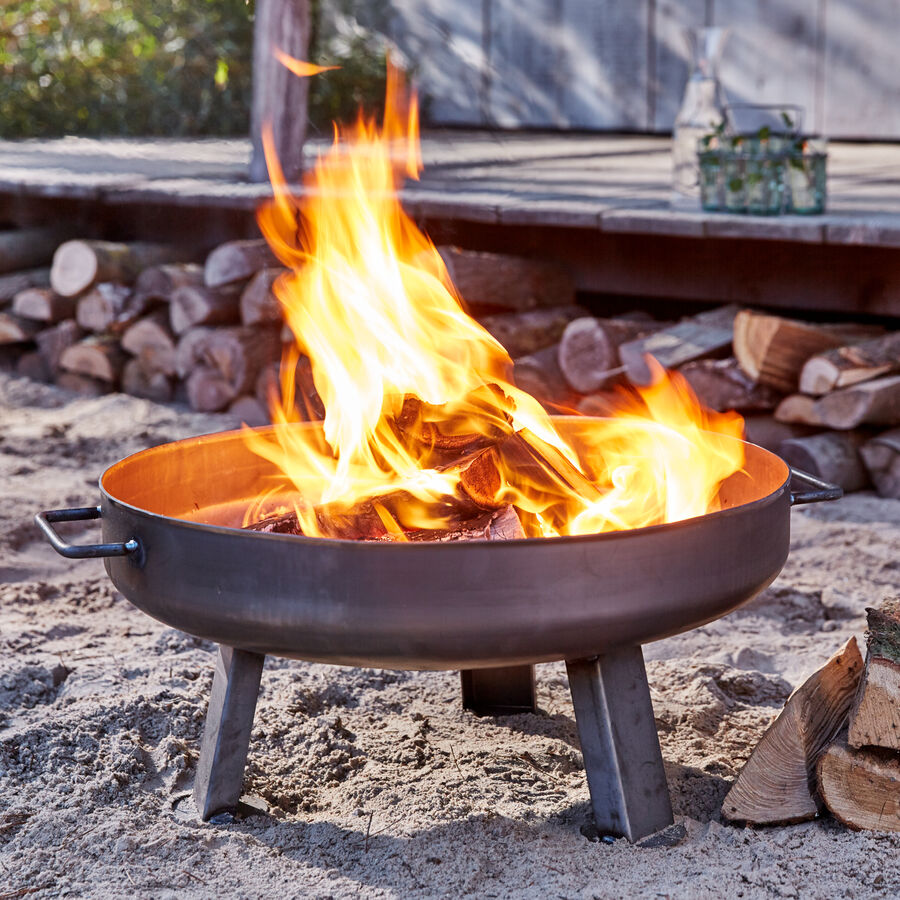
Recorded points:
43,305
237,261
870,403
721,384
249,410
160,282
82,384
881,456
97,357
777,783
539,374
773,350
52,341
140,382
832,456
199,305
32,365
258,301
798,409
526,332
495,281
16,330
207,390
189,350
151,340
78,265
705,335
767,432
239,353
99,308
845,366
11,284
24,248
861,788
875,717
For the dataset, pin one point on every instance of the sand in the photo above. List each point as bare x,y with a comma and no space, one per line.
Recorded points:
378,783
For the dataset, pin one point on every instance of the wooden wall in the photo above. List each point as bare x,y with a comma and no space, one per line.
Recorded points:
622,64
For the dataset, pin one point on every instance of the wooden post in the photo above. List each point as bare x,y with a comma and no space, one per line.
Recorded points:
279,97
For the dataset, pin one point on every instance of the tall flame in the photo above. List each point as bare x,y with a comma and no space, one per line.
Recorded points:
405,373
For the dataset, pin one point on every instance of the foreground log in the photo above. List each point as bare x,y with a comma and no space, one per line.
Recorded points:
777,783
540,375
193,305
881,456
43,305
875,717
52,341
258,303
24,248
16,330
237,261
845,366
500,282
532,330
721,384
240,353
861,788
870,403
151,340
11,284
832,456
705,335
151,385
100,358
100,307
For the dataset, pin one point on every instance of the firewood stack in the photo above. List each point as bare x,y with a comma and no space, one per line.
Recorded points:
836,744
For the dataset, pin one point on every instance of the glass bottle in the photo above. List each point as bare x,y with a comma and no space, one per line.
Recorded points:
702,108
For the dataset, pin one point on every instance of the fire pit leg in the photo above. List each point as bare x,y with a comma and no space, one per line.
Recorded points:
502,691
226,734
619,743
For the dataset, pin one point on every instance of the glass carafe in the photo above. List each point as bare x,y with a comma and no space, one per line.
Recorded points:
702,108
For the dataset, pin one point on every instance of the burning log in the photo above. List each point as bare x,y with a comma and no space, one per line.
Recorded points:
11,284
540,375
703,335
776,785
23,248
846,366
249,410
832,456
100,358
52,341
207,390
100,307
139,381
875,717
192,305
16,330
237,261
239,353
721,384
258,302
43,305
881,456
522,333
151,340
494,281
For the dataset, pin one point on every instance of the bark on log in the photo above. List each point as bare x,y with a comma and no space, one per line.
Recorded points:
494,281
32,365
721,384
139,382
258,301
881,456
237,261
845,366
160,282
11,284
100,307
24,248
767,432
97,357
189,350
207,390
43,305
249,410
532,330
16,330
832,456
239,354
777,783
870,403
77,265
151,340
539,374
798,409
52,341
875,717
199,305
861,788
82,384
708,334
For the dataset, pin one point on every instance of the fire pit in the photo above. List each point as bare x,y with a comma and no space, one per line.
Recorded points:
174,547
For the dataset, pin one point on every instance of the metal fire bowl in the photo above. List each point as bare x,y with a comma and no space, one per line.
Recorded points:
171,514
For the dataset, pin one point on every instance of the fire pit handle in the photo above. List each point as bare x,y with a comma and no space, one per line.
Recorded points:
820,490
45,519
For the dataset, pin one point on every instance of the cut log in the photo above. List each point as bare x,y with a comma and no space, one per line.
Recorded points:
721,384
705,335
832,456
529,331
777,783
766,431
192,305
189,350
875,717
258,301
249,410
139,382
798,409
494,281
32,365
481,480
207,390
861,788
505,525
97,357
77,265
11,284
100,307
846,366
82,384
52,341
239,354
43,305
539,374
773,350
237,261
870,403
589,349
16,330
160,282
881,456
151,340
24,248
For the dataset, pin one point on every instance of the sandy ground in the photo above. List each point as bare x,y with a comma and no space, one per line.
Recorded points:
378,783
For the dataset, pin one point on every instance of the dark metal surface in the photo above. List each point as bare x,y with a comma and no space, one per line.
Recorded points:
45,521
503,691
820,490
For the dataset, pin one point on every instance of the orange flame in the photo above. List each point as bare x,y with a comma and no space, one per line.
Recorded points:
394,354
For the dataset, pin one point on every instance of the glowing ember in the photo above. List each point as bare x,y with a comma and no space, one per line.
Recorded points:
422,422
